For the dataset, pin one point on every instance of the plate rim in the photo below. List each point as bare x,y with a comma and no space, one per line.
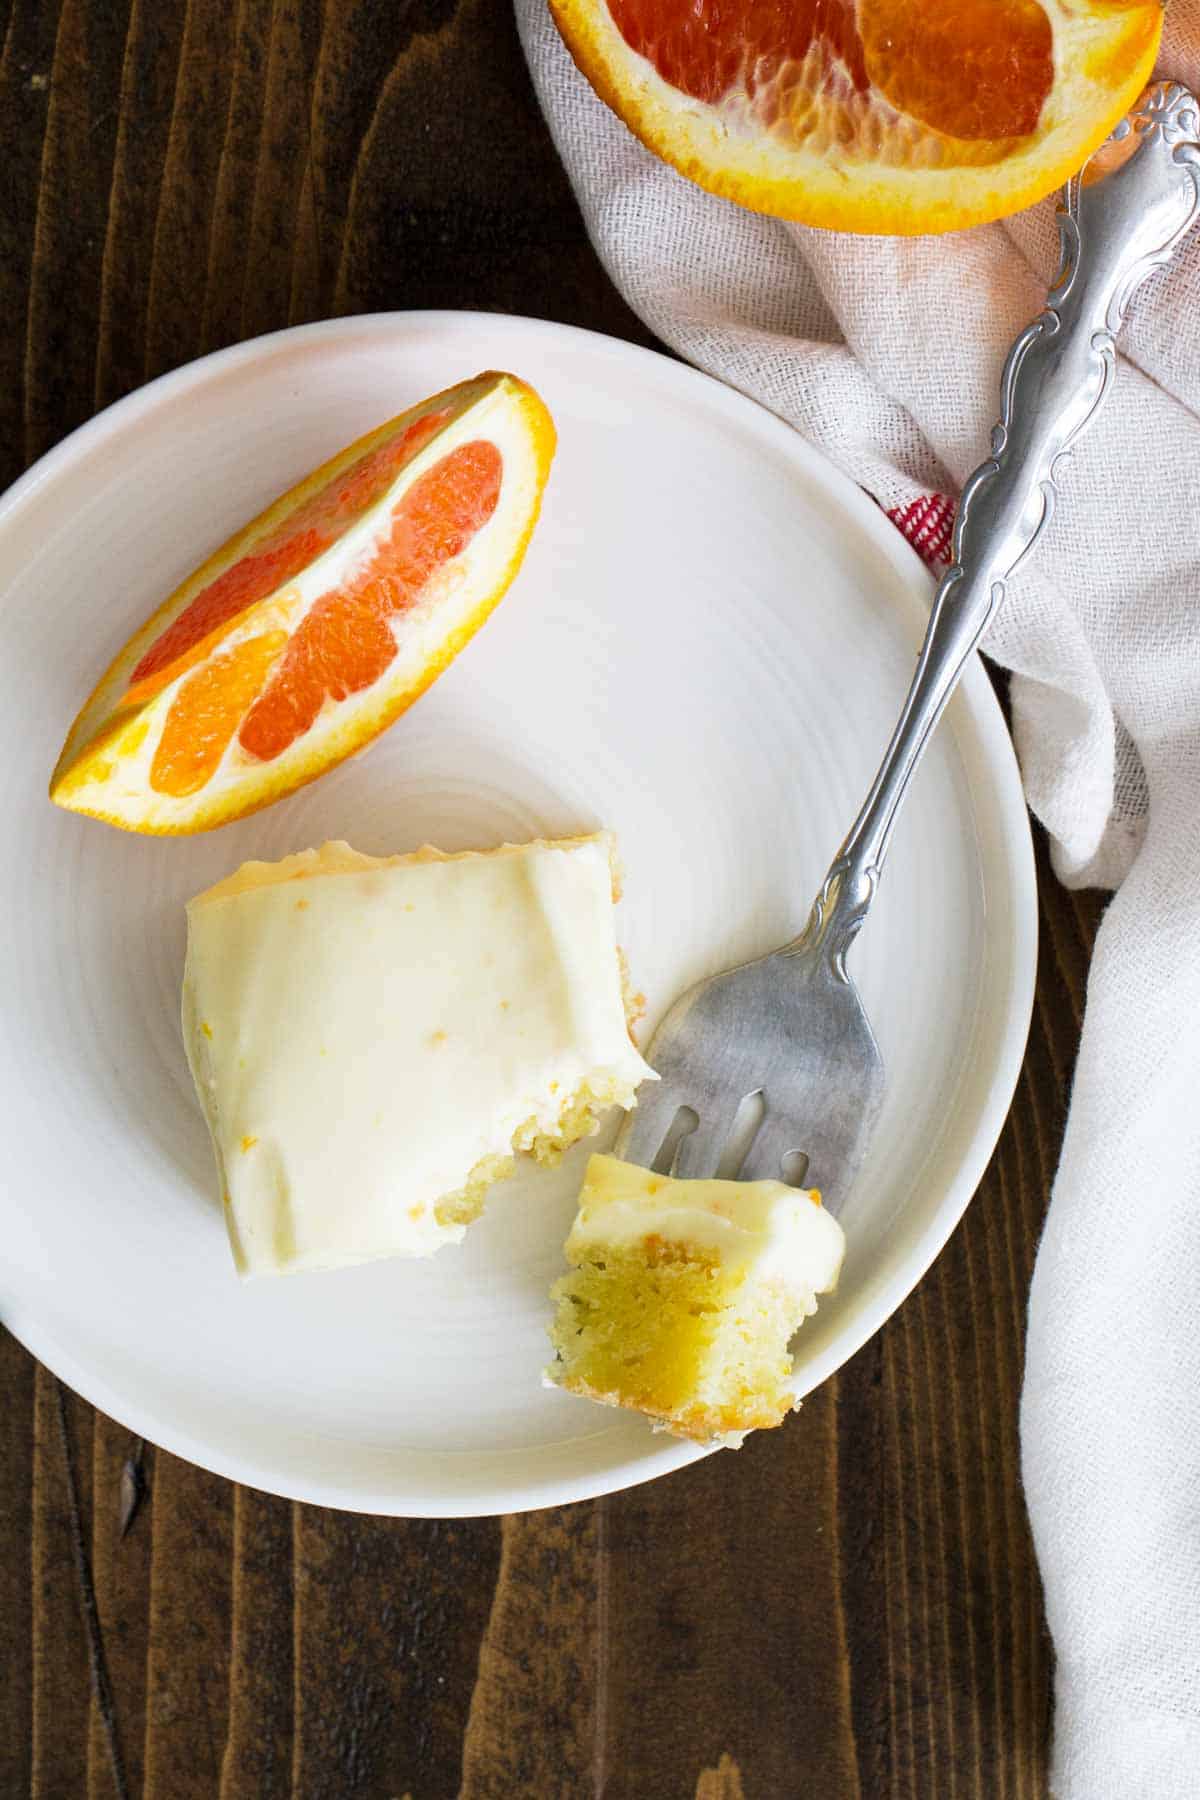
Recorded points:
1014,842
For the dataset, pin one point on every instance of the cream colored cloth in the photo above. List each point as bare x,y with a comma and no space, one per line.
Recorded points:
887,354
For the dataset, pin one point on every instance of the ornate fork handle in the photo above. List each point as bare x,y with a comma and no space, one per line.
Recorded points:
1118,221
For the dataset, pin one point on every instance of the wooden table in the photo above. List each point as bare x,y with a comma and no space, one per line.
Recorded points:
848,1607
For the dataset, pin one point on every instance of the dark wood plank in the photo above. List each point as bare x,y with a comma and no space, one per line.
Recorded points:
242,143
62,1688
188,1637
121,1541
389,1619
17,1383
724,1630
25,64
537,1709
127,221
846,1608
75,176
261,1727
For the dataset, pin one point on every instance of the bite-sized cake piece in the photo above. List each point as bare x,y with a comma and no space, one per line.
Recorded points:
373,1039
683,1295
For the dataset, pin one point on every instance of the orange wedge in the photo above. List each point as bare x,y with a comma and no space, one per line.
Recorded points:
315,627
897,116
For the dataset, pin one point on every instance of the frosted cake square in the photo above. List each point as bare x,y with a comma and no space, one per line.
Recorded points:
374,1039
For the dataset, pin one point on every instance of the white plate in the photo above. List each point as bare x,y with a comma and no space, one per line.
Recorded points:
705,651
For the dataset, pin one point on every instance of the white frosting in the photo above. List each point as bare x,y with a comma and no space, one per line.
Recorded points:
363,1032
783,1233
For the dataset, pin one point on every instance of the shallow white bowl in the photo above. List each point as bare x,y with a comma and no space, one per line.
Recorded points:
705,651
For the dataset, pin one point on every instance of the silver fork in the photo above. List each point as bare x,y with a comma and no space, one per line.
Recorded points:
786,1036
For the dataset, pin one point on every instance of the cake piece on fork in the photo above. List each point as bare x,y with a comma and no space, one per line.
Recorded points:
682,1297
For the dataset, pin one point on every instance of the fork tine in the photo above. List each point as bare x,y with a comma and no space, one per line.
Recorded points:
833,1154
764,1159
834,1158
700,1151
641,1136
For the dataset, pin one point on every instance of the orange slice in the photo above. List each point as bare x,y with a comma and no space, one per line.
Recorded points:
315,627
896,116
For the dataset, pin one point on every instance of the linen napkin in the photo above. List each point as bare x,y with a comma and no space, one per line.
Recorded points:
887,354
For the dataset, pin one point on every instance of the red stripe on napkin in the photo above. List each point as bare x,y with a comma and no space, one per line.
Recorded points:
927,524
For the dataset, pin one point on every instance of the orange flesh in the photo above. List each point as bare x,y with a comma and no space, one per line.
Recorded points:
972,69
275,686
289,548
969,68
205,712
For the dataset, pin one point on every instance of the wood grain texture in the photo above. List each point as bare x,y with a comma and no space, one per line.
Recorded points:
121,1567
18,1380
62,1687
848,1609
389,1617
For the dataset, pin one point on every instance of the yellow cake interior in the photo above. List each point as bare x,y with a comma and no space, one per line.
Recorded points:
683,1296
